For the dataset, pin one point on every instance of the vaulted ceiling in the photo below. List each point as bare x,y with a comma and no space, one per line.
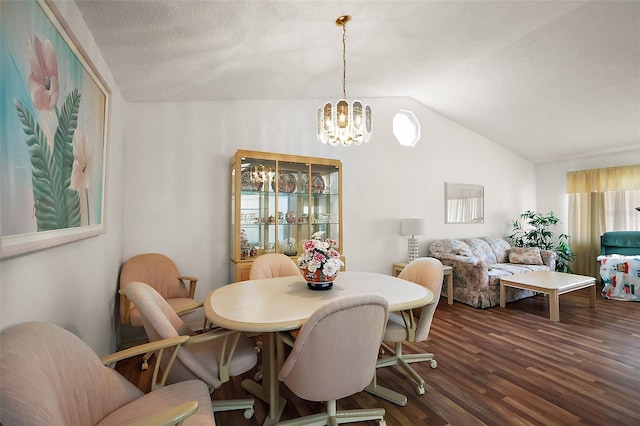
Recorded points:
549,80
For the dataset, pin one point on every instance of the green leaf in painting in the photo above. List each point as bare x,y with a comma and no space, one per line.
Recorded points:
45,205
67,124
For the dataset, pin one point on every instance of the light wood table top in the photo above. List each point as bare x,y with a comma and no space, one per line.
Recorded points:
285,303
550,280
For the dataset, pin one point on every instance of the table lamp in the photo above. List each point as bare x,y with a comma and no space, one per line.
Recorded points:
413,227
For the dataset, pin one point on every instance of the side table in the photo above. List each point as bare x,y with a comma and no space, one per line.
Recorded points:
447,271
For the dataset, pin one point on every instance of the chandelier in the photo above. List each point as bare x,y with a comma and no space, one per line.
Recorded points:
343,123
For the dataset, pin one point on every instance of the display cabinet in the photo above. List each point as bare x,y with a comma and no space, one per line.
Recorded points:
277,202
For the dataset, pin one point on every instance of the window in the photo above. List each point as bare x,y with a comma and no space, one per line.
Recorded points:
600,200
406,128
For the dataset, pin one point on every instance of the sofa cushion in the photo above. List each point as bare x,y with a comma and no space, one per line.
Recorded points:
461,248
451,246
525,256
482,250
515,268
500,248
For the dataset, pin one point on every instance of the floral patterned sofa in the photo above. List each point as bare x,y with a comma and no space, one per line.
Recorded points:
478,264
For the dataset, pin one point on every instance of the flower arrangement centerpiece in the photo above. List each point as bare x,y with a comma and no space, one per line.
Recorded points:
320,262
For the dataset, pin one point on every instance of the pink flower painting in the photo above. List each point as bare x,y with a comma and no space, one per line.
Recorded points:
44,85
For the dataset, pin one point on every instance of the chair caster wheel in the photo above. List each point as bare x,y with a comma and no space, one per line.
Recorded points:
434,363
145,366
248,413
420,390
258,376
382,423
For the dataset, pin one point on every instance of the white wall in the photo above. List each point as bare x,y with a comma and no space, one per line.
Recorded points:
74,285
176,198
551,180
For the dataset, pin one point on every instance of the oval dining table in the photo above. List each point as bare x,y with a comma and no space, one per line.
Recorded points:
272,305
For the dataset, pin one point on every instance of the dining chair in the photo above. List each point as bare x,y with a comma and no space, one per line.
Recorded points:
334,356
212,356
427,272
161,273
272,265
158,271
49,376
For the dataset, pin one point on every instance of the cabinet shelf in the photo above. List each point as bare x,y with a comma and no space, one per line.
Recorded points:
306,187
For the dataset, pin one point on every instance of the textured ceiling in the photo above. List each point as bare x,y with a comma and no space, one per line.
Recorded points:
549,80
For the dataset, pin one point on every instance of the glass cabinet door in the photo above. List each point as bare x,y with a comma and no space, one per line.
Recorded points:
293,212
324,199
257,203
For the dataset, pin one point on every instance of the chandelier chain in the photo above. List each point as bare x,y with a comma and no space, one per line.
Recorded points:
344,61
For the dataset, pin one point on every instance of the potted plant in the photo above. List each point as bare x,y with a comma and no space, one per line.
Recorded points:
539,235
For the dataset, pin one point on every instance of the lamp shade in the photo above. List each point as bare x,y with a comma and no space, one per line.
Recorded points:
412,226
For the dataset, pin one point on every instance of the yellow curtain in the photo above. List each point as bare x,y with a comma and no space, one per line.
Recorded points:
586,224
587,210
600,180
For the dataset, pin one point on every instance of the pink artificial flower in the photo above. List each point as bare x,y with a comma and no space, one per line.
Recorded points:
43,80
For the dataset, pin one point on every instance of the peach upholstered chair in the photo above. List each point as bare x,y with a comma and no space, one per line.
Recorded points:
212,356
51,377
334,356
427,272
273,265
158,271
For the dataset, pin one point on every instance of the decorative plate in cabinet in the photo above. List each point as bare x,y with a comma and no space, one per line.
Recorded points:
286,182
247,184
317,183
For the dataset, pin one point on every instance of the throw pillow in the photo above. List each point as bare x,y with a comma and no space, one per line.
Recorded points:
525,256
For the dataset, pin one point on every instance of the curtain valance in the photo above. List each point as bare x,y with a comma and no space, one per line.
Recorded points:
623,178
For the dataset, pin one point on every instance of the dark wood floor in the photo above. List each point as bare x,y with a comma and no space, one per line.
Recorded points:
507,366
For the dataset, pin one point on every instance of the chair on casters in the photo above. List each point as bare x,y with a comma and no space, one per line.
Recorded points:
159,272
334,356
51,377
212,356
427,272
273,265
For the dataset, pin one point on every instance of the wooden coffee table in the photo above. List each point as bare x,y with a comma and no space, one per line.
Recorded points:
551,283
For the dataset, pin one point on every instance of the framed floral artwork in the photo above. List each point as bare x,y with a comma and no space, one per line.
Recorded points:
54,116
